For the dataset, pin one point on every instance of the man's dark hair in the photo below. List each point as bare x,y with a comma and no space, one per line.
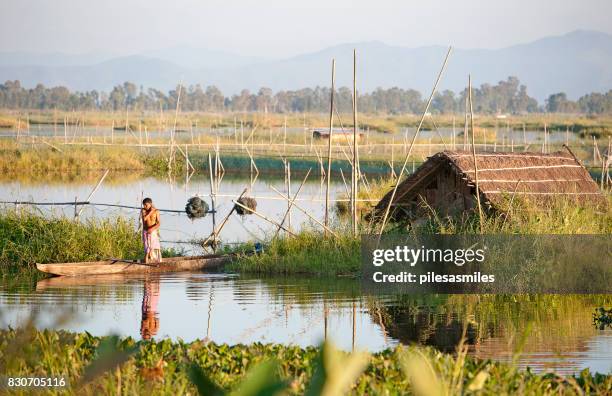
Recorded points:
147,200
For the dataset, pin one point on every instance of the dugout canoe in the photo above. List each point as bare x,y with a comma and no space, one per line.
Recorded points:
116,266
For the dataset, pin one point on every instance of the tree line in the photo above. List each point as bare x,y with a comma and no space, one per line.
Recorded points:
508,96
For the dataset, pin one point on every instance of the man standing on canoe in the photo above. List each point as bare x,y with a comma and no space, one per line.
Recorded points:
150,231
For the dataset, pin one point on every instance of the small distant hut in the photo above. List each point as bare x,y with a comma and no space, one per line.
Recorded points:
446,183
338,135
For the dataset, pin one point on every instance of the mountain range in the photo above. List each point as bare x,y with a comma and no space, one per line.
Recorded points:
575,63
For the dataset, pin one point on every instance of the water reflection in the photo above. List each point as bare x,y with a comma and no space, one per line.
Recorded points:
233,309
149,324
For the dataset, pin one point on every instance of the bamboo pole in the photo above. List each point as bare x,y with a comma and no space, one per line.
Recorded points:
403,169
292,201
216,231
289,193
474,153
212,194
329,144
355,186
465,125
77,214
305,212
247,210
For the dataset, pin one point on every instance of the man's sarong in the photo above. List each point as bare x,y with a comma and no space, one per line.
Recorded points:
151,241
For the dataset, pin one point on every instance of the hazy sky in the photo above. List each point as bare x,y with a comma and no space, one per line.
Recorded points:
277,28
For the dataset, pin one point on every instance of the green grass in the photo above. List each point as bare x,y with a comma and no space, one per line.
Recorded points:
309,253
164,367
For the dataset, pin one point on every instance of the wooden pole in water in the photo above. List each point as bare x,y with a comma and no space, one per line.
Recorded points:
474,153
289,193
212,197
285,136
354,188
329,143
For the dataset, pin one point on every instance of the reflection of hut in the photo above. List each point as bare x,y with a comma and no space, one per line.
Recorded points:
445,182
423,327
338,135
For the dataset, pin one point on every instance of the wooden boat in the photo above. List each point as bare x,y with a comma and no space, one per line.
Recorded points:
117,266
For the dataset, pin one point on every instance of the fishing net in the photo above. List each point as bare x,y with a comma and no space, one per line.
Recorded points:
196,208
247,202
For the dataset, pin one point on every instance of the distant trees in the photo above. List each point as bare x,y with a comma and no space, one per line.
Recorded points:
508,96
593,103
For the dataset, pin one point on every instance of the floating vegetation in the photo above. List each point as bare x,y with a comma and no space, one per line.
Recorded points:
602,318
112,365
196,208
247,202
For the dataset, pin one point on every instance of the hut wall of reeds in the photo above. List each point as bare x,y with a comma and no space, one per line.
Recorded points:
446,182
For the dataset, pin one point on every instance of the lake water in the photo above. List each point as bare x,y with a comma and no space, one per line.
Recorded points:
228,308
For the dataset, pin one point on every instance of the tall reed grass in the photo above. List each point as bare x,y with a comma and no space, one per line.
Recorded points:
27,238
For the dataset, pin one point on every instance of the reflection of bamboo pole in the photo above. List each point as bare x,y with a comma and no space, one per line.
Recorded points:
329,143
325,317
354,325
474,153
211,296
247,210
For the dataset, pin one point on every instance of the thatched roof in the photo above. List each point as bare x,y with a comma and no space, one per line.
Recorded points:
529,175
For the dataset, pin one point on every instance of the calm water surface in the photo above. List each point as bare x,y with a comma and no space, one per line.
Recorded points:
228,308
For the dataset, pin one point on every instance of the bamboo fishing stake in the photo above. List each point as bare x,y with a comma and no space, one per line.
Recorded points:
329,143
291,202
249,210
212,196
77,214
217,231
403,169
465,125
474,153
305,212
354,188
289,193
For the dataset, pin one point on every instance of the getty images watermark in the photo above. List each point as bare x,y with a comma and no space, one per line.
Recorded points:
487,264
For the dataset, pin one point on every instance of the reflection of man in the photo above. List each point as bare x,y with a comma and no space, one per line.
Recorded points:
149,325
150,231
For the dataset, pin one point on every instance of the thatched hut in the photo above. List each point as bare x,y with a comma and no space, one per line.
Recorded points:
446,183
